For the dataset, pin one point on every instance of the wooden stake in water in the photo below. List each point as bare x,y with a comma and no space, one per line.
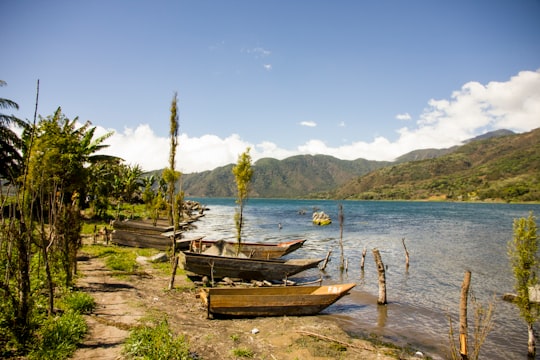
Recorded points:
406,254
341,218
363,259
463,316
382,277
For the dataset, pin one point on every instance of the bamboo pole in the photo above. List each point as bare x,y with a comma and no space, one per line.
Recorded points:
382,277
463,316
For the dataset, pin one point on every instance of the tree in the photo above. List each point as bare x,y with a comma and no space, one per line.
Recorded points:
242,174
522,251
171,176
10,143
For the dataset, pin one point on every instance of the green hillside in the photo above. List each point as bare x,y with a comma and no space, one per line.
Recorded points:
294,177
498,168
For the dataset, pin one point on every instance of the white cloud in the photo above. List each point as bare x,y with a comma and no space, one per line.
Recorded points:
259,52
470,111
404,117
308,123
267,67
342,124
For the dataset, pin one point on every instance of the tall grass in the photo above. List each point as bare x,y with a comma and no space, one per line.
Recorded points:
58,336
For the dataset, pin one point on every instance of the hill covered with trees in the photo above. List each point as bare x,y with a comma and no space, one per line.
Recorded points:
500,165
497,168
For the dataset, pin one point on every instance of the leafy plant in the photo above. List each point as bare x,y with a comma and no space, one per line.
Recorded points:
79,302
243,352
58,336
156,342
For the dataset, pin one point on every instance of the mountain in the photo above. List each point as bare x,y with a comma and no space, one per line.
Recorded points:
294,177
496,165
501,167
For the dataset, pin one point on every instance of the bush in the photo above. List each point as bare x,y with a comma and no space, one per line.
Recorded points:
79,302
58,336
156,342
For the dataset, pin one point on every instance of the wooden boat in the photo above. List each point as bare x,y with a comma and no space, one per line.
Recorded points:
243,268
272,301
160,241
254,250
145,227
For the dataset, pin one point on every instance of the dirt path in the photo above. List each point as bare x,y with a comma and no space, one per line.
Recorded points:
122,303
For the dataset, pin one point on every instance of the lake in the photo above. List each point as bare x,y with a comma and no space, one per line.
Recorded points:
443,239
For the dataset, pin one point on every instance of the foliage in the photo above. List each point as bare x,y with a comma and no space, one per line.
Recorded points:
78,302
242,175
10,144
242,352
483,324
522,251
156,342
58,336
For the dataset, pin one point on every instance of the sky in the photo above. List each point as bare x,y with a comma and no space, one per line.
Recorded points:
371,79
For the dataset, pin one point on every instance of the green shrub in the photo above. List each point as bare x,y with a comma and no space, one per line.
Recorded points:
243,352
147,342
58,336
79,302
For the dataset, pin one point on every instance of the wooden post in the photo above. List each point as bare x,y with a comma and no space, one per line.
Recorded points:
326,260
406,254
382,277
363,259
463,316
341,219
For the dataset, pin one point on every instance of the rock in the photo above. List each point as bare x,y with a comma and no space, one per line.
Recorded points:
158,258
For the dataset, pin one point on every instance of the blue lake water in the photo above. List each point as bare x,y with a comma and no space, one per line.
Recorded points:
443,239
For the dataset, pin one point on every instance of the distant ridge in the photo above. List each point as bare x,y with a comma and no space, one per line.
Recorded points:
499,165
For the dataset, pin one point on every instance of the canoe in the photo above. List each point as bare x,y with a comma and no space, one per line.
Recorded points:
255,250
243,268
145,227
160,241
272,301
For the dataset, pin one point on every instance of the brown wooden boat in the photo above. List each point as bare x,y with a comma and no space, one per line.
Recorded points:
243,268
254,250
145,227
161,241
272,301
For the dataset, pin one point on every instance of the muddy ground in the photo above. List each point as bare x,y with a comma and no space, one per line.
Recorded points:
124,302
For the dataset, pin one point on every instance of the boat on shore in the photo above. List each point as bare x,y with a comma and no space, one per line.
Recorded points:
218,267
252,249
271,301
160,241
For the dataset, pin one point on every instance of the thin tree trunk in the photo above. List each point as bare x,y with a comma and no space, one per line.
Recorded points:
531,344
173,275
463,316
382,277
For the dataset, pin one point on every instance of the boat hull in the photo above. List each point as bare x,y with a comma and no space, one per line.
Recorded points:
219,267
272,301
255,250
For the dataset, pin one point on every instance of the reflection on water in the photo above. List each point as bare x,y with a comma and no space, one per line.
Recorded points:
443,239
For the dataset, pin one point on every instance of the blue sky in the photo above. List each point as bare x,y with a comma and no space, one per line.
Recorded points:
352,79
